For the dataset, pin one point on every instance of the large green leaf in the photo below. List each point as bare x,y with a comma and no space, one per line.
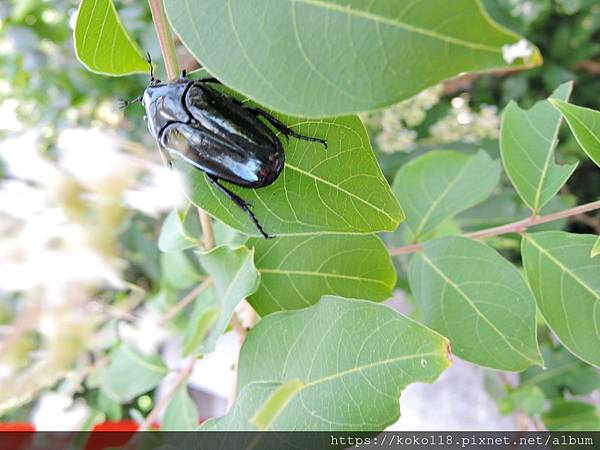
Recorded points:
338,190
337,365
571,415
102,43
565,281
440,184
321,58
234,277
561,371
130,373
469,293
181,414
206,311
173,236
585,125
297,271
527,143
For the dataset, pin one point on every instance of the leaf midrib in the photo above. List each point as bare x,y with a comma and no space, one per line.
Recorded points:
397,24
348,193
463,294
564,268
322,274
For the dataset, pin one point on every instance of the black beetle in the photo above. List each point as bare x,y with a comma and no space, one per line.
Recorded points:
216,134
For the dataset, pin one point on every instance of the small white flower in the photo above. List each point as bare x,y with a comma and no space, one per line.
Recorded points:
521,49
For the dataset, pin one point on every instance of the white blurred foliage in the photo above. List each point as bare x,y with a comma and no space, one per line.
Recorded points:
394,124
464,124
521,50
146,333
60,218
59,412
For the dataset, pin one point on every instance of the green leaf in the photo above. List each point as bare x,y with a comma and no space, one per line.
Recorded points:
102,43
338,190
276,403
131,374
596,249
570,415
469,293
109,406
323,58
352,357
527,143
440,184
297,271
585,125
207,310
181,414
235,278
173,236
529,399
562,371
178,271
565,281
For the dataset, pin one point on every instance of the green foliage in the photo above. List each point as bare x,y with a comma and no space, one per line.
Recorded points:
131,374
441,184
181,414
562,372
297,271
596,249
103,44
338,190
565,282
348,56
585,125
568,415
527,143
235,277
315,361
365,374
469,293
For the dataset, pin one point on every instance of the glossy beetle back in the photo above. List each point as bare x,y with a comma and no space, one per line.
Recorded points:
213,132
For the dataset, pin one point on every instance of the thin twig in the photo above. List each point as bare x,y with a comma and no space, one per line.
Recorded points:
238,327
165,37
189,298
169,53
207,231
182,376
514,227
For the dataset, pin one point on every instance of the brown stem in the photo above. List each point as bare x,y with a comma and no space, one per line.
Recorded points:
207,231
165,37
189,298
182,376
169,53
514,227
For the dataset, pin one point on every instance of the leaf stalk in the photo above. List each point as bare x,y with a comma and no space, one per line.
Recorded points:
515,227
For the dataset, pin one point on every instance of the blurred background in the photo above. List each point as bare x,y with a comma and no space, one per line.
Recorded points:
83,195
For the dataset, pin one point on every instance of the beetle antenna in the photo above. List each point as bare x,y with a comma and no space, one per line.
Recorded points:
125,103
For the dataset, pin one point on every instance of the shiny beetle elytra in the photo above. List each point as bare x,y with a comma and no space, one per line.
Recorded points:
216,134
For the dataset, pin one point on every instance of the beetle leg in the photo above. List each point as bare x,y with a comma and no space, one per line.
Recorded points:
282,127
238,201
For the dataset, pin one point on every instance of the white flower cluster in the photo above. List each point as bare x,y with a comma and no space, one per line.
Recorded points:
60,219
464,124
394,125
